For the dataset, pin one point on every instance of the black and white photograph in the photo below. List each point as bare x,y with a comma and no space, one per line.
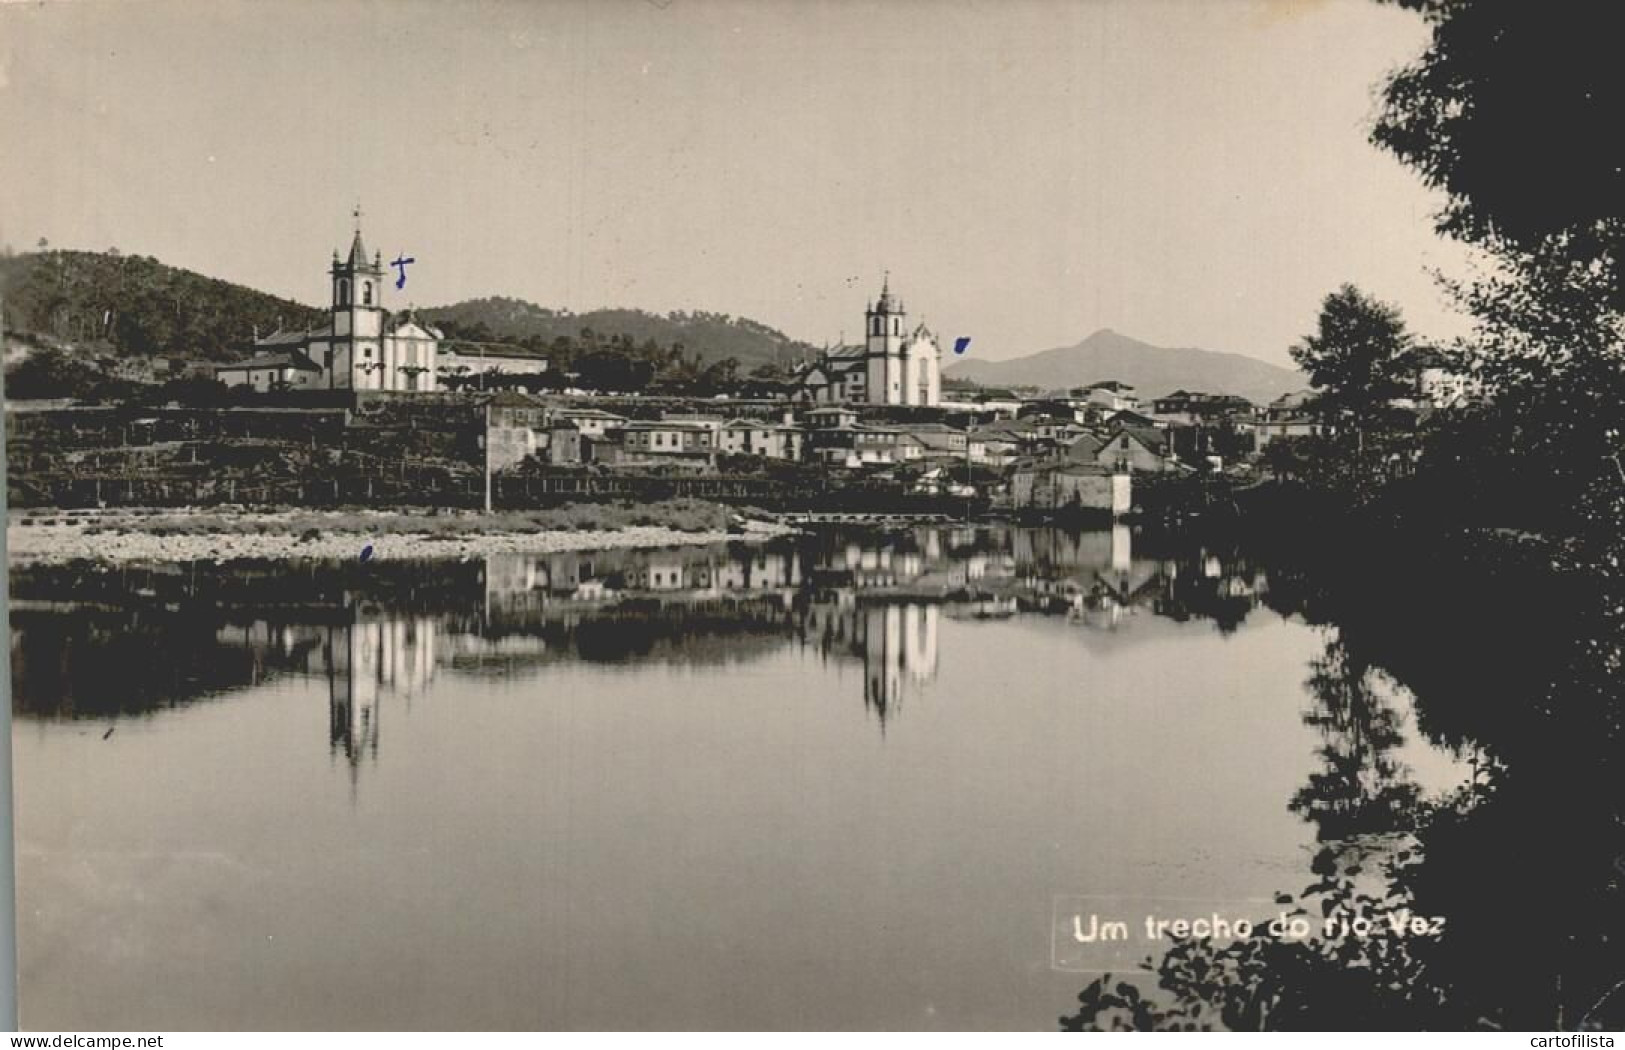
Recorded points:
815,515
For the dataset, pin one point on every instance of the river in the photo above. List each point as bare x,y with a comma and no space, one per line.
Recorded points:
836,781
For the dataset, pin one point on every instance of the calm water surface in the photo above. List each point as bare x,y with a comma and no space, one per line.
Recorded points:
835,783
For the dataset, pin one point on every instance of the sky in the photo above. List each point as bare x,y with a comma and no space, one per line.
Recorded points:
1187,172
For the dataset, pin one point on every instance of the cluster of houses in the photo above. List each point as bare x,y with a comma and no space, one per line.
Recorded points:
1077,446
1072,448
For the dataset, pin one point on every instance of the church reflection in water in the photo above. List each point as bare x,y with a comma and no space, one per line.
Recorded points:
373,657
380,636
897,642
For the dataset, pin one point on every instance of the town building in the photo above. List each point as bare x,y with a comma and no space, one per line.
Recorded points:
466,358
663,442
362,346
937,439
288,370
754,437
1288,416
1136,449
515,427
1190,408
1112,395
591,422
896,365
863,445
1063,484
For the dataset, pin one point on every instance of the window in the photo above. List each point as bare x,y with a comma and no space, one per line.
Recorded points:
366,351
366,293
878,323
342,296
894,326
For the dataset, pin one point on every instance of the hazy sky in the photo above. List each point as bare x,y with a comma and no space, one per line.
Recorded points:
1189,173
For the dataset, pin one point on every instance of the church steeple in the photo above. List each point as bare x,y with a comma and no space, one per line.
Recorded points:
357,281
884,305
358,249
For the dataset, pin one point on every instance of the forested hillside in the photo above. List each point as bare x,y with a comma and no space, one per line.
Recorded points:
703,337
137,305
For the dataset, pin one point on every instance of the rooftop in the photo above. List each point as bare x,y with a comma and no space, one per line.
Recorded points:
287,360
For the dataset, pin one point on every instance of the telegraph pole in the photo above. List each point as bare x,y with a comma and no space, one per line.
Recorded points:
485,446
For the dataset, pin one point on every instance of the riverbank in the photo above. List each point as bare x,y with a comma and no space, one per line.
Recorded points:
52,537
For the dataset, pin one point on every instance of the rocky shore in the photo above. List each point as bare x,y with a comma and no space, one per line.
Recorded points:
46,537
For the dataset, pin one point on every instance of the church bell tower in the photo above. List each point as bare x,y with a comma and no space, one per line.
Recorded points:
358,316
883,323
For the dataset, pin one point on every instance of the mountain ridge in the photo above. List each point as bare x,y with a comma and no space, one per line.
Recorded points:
1153,371
138,306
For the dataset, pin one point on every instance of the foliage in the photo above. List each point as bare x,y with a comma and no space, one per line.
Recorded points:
1510,112
51,373
1528,692
566,336
194,390
138,305
1267,982
607,370
1359,359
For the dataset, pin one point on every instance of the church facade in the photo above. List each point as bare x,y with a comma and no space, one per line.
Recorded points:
896,365
361,347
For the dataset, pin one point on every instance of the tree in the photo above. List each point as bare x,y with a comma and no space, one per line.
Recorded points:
1360,359
49,373
199,390
608,370
1511,112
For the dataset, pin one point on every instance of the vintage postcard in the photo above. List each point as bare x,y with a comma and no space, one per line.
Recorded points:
932,515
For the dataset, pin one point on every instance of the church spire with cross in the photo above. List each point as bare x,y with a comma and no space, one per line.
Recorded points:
358,250
884,304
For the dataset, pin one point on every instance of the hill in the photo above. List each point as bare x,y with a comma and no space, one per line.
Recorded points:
137,305
1152,370
706,337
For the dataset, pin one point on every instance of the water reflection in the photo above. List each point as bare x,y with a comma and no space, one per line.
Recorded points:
386,631
567,745
1362,786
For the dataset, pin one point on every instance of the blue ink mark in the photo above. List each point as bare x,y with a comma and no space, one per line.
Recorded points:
366,552
400,282
961,344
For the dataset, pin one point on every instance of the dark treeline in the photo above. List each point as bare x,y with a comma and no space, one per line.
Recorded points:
1471,556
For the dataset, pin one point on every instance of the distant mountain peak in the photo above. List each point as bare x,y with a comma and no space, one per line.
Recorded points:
1152,370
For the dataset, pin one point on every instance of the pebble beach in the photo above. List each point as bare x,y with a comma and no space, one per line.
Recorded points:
49,537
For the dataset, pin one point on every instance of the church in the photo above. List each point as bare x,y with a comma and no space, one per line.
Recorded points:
361,347
896,365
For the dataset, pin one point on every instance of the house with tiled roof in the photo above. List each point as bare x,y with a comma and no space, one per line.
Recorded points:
285,370
1136,448
466,357
1290,415
755,437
